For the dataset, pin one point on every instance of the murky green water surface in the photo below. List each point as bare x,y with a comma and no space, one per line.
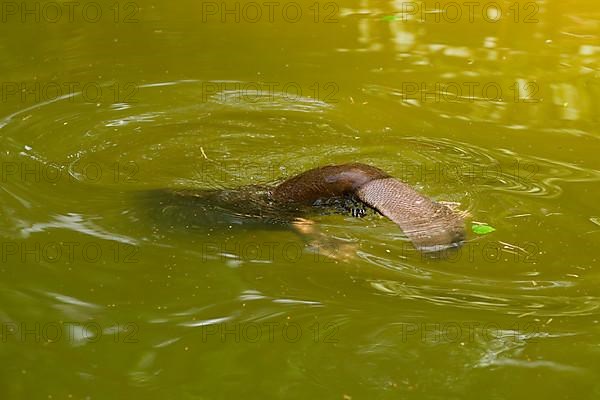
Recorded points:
493,108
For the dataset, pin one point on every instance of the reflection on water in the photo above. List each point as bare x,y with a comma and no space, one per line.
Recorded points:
496,75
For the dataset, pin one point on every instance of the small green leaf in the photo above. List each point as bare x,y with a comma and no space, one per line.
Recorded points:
389,18
482,229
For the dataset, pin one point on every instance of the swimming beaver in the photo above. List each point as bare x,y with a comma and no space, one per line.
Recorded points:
428,224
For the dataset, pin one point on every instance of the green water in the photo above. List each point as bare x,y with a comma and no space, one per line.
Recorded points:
99,302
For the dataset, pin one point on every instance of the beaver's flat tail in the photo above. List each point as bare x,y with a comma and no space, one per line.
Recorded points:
429,225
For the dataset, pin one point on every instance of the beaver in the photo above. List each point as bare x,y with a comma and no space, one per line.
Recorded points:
354,187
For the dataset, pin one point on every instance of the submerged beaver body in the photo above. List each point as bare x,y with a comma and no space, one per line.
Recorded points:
428,224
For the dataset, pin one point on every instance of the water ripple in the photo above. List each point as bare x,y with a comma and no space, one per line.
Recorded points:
510,304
